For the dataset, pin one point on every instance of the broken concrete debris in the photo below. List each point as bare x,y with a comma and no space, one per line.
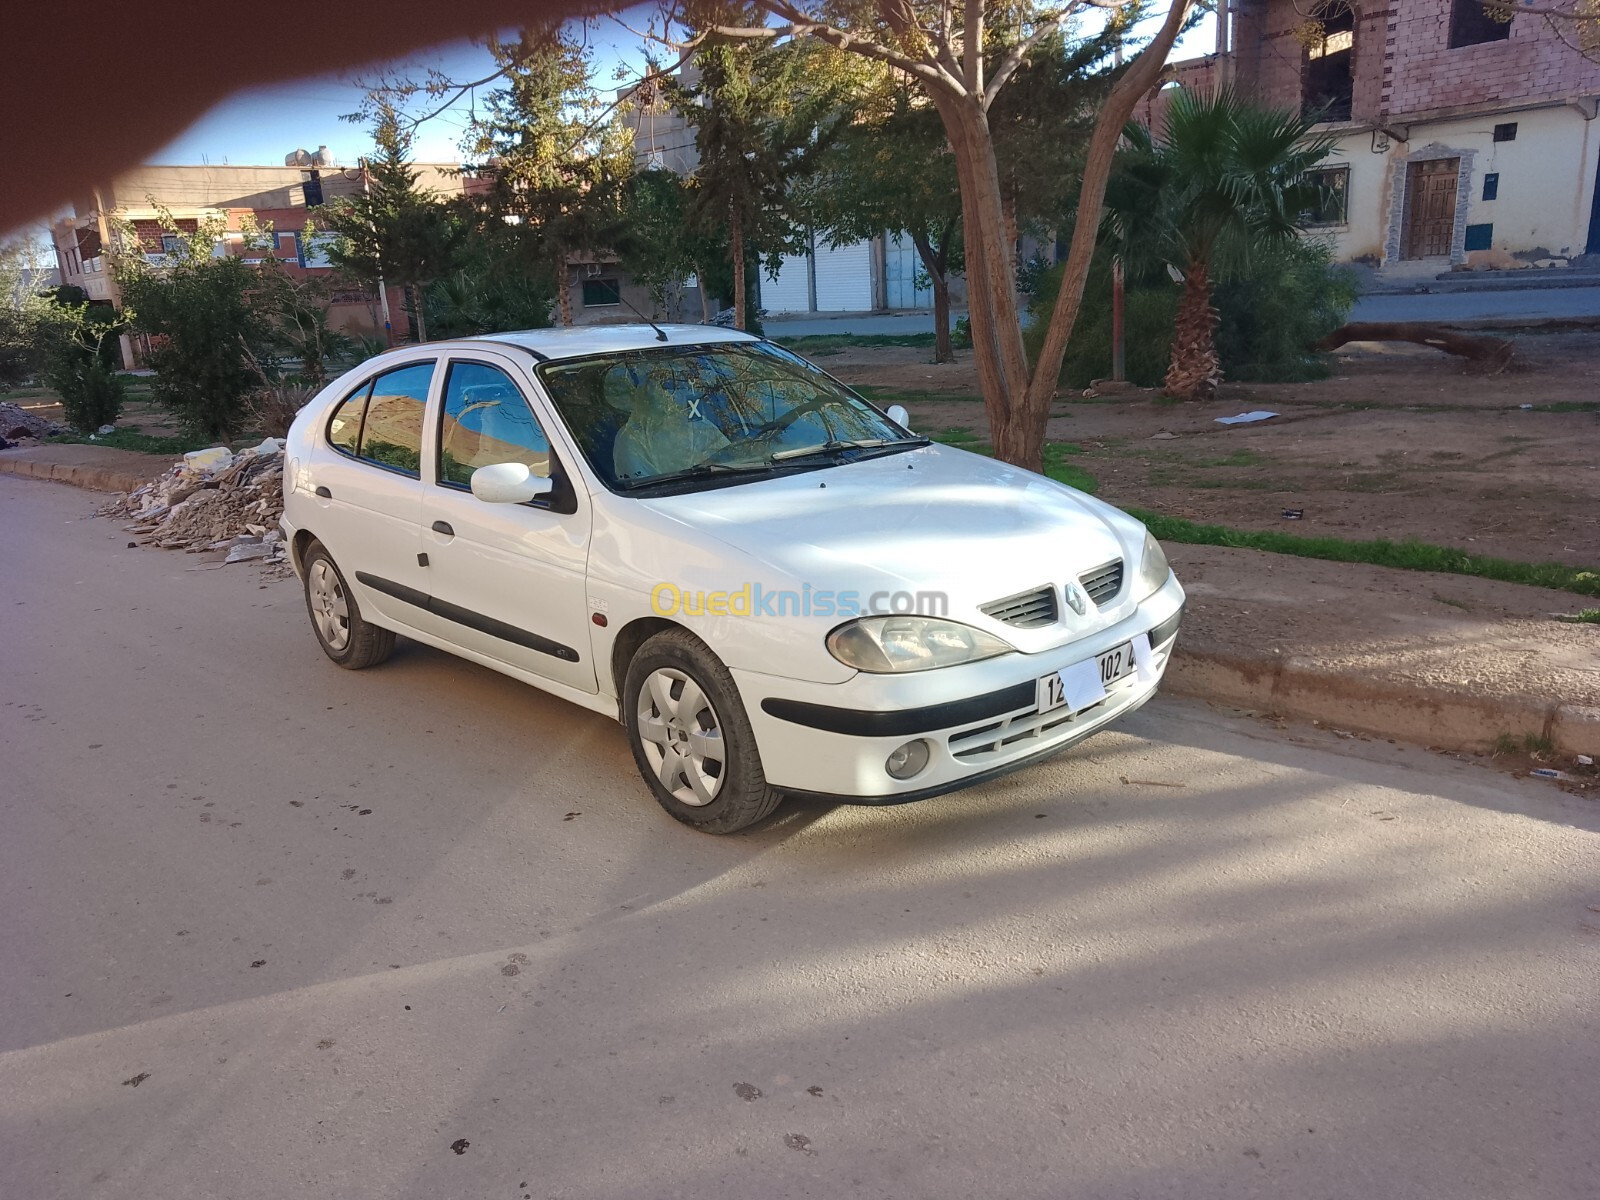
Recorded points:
212,500
17,423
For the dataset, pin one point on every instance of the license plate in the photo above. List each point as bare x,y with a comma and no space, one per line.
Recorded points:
1060,687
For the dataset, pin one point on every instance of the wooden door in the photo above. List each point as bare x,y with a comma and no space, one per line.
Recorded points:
1430,207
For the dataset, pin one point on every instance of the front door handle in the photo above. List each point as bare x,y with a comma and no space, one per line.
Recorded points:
444,528
324,493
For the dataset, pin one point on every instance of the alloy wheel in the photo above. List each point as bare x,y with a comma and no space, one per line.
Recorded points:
681,737
329,608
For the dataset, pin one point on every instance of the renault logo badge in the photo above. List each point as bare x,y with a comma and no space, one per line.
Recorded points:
1076,598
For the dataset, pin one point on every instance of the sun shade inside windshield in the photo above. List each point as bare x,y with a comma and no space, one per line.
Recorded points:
645,416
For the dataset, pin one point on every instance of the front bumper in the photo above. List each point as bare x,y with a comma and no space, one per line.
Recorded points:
833,739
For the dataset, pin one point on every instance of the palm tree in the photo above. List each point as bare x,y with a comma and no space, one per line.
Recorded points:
1226,178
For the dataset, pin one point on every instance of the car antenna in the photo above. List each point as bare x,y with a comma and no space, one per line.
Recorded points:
661,334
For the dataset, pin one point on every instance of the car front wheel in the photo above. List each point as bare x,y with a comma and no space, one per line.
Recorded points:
691,738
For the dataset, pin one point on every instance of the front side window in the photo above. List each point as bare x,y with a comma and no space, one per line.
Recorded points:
644,417
382,423
486,420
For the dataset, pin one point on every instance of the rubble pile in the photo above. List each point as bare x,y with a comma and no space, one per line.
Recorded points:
212,500
17,423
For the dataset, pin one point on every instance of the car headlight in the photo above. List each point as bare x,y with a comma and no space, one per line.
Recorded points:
887,645
1153,569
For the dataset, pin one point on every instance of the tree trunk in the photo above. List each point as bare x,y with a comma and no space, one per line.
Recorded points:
563,293
736,252
934,263
1141,75
414,294
991,280
1195,370
705,295
1497,353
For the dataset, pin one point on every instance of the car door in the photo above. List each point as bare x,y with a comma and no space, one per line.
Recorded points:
506,580
367,483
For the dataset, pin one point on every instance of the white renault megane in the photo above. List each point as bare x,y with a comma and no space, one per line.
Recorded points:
774,586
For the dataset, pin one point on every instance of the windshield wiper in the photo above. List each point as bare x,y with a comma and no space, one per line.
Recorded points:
699,470
838,444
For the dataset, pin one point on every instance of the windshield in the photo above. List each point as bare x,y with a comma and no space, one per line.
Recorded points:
645,417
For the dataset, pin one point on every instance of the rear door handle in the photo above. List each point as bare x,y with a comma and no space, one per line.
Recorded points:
444,528
325,493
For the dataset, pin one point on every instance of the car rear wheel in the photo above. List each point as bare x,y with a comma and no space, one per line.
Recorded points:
691,738
344,635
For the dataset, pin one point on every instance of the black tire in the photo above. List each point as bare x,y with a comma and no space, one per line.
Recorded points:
743,796
365,644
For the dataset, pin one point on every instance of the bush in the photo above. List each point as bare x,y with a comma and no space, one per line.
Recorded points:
1269,316
91,393
1273,314
274,405
207,341
1148,312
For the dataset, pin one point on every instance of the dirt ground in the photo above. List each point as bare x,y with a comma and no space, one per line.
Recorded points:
1402,442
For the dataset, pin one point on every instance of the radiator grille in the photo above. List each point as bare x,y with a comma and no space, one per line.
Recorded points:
1026,610
1103,583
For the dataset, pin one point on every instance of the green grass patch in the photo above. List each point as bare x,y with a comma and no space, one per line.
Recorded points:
130,438
1239,458
1406,555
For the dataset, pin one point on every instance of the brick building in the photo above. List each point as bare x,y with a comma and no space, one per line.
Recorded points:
1462,141
282,198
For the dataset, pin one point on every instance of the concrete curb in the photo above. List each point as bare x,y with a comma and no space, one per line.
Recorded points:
95,479
1292,687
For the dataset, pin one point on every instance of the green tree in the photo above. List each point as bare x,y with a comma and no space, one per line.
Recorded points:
24,313
556,168
1228,179
393,232
207,331
761,116
497,286
890,171
76,341
660,246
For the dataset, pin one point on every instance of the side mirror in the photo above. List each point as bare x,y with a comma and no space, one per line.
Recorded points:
509,483
898,414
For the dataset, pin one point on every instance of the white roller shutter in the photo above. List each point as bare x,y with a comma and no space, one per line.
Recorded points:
791,290
844,278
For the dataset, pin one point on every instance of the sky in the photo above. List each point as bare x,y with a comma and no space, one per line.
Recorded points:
260,126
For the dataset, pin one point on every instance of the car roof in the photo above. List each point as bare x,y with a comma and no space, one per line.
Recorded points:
581,340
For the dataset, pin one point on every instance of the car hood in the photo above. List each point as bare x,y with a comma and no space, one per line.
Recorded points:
931,519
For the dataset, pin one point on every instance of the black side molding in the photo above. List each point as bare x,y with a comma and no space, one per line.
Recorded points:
472,620
905,721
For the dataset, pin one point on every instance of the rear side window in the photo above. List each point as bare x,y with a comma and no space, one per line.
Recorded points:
344,429
486,420
382,423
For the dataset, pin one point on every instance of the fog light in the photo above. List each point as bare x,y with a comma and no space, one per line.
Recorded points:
908,760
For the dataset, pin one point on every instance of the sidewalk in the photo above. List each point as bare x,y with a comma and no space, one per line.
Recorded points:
1441,660
98,468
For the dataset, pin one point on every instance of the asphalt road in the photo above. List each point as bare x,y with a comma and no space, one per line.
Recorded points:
1439,306
276,930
